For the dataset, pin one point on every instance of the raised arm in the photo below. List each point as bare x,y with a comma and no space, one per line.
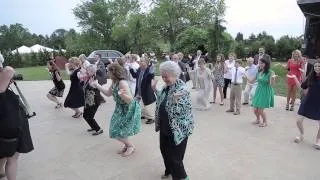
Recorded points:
67,69
272,78
105,90
7,74
133,73
57,74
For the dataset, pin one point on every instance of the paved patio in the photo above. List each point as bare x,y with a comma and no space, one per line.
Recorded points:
223,146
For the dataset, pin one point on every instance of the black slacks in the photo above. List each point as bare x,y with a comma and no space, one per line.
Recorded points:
173,156
88,114
225,87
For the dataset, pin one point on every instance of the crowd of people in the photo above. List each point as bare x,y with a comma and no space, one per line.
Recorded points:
138,98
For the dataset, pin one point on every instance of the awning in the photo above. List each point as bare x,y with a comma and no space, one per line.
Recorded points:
310,7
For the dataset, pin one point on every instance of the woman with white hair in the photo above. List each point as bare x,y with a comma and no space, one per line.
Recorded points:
15,135
203,85
92,100
174,120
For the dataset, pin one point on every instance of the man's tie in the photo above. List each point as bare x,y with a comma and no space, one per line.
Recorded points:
235,76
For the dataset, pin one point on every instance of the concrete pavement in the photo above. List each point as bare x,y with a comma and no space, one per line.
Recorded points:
223,146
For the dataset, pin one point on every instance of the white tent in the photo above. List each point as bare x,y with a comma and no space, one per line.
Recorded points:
38,48
22,50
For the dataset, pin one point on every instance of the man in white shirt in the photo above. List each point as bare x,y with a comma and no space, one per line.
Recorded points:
228,65
251,73
238,73
134,66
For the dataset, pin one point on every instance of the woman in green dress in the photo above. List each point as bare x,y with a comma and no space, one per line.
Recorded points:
126,118
264,95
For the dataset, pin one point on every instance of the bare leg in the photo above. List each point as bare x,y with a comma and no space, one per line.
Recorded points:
318,135
288,97
300,128
11,167
293,97
263,115
128,147
214,92
2,164
256,112
221,94
53,98
76,110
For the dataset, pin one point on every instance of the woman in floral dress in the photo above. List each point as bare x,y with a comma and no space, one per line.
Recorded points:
218,82
126,118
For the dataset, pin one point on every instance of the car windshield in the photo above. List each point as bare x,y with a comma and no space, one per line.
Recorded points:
103,54
106,54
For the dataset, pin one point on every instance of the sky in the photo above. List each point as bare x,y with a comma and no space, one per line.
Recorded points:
276,17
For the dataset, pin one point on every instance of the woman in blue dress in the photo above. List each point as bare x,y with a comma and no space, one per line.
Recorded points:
310,105
126,118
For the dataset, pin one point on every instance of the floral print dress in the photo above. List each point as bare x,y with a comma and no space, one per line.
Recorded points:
126,118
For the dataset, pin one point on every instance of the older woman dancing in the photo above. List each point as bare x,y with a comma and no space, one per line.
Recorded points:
174,120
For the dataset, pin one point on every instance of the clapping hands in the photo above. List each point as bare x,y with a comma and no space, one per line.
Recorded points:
176,96
154,84
93,83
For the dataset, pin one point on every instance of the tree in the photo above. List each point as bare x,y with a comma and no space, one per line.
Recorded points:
13,36
171,17
100,16
57,39
239,37
190,39
285,45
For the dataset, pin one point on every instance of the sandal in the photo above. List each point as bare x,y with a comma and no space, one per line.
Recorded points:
298,139
256,122
129,151
317,146
263,124
221,104
59,105
212,102
291,108
287,107
77,115
123,150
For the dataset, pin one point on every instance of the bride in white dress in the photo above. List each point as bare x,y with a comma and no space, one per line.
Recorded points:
203,85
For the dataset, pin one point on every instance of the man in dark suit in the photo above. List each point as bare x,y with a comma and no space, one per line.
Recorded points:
261,55
144,77
183,76
101,70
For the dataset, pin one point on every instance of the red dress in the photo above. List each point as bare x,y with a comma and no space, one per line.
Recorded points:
294,70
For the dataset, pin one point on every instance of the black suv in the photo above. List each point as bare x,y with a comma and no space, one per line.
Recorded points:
105,56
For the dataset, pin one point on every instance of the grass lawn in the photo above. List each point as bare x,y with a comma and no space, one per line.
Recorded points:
40,73
37,73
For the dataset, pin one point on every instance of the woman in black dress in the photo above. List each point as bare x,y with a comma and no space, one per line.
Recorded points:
15,135
310,105
59,86
75,97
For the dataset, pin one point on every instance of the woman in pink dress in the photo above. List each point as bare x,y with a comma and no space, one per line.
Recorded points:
295,67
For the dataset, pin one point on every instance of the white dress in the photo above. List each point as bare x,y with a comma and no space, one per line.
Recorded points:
204,88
